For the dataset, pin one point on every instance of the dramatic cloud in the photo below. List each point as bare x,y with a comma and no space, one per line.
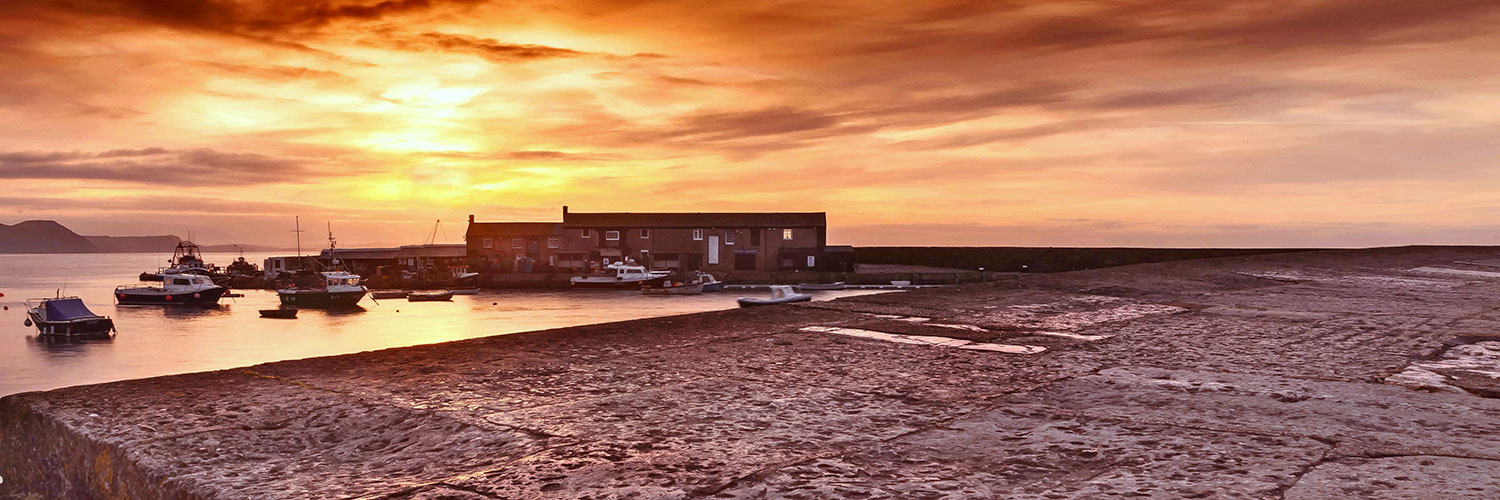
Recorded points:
1192,123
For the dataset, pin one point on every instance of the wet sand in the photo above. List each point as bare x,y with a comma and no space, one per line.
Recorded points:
1335,374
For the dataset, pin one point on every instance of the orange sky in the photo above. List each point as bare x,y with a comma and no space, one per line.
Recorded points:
1189,123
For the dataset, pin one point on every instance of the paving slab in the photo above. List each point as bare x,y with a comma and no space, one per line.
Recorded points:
1332,374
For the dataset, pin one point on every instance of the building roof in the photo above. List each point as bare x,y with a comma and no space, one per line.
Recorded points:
438,250
513,228
696,219
361,253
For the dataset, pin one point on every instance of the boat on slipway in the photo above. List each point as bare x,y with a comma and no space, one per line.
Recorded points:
780,294
710,283
617,276
174,289
66,317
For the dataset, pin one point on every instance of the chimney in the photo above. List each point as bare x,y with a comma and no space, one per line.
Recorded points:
471,218
565,211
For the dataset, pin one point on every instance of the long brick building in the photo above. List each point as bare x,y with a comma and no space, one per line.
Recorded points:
715,242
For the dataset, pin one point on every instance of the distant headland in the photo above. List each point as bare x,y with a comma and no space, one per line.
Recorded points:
46,236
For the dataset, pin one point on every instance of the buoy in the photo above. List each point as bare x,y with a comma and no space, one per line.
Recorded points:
169,297
197,296
28,322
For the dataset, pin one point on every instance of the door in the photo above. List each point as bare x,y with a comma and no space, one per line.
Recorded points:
713,249
744,261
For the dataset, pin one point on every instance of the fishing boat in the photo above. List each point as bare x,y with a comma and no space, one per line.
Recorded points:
803,287
710,283
780,294
673,288
330,289
186,260
279,313
66,317
441,296
619,275
389,294
336,289
174,289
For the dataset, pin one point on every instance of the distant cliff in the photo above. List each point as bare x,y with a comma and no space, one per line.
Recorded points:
45,236
42,236
126,244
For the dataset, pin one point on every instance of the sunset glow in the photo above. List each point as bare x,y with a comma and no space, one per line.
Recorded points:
1336,123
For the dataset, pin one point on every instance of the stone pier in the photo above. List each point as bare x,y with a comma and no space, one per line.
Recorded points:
1331,374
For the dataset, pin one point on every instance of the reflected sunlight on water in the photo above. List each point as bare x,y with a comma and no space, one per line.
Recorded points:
156,340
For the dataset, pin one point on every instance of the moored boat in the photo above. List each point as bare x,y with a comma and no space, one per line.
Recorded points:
389,294
617,276
838,285
710,283
174,289
673,288
66,317
337,289
780,294
441,296
279,313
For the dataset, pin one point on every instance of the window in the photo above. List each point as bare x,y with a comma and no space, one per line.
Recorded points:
698,234
786,234
554,242
612,235
515,243
489,243
755,237
588,233
645,233
728,237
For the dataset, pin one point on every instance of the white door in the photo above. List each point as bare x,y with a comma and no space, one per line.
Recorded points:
713,249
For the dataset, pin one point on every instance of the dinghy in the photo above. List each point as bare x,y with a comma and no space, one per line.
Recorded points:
430,296
780,294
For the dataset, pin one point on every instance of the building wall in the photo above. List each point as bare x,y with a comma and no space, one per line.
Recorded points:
680,241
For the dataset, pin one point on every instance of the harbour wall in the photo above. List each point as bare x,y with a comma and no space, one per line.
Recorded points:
1043,259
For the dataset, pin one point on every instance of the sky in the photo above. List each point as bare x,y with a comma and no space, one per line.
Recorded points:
1344,123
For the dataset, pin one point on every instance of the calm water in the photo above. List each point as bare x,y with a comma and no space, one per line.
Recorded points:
158,340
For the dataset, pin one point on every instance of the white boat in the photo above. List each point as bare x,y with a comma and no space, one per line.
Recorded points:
673,288
839,285
710,283
174,289
338,289
780,294
617,276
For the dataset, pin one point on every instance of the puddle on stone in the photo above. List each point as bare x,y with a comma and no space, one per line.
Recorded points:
927,340
1075,336
953,326
1457,272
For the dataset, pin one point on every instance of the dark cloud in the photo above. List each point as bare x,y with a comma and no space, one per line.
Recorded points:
277,73
487,48
247,17
163,167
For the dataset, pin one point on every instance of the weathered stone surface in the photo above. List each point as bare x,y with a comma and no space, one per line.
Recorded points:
1291,375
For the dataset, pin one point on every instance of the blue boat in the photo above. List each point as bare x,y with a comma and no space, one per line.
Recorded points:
66,317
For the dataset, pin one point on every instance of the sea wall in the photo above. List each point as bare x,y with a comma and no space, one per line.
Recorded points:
1042,259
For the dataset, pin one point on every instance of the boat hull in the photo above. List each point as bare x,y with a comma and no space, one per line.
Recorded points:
131,297
91,327
320,298
749,302
693,289
607,285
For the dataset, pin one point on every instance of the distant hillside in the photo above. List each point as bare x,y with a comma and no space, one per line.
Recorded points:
127,244
42,236
235,247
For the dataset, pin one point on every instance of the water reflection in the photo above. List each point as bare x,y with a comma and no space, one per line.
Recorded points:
160,340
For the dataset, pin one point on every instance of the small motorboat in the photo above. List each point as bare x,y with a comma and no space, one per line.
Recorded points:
673,288
174,289
441,296
710,283
389,294
279,313
803,287
780,294
617,276
465,291
66,317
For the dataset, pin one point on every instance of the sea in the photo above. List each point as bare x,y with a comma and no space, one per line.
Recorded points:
164,340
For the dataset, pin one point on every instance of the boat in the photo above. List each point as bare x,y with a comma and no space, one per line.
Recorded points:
441,296
710,283
780,294
673,288
244,274
330,289
336,289
186,260
803,287
279,313
619,275
66,317
389,294
465,291
174,289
